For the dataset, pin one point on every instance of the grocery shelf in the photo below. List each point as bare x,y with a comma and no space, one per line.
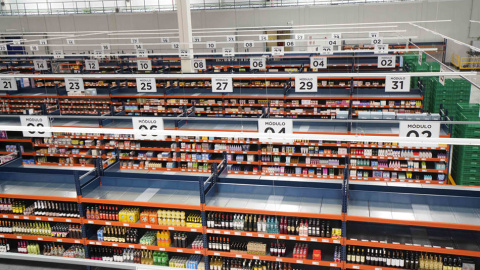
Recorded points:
41,238
141,225
38,190
143,247
40,218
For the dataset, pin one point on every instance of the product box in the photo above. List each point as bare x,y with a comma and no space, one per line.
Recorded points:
317,255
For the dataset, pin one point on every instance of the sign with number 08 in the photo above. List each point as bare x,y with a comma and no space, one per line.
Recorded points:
91,65
387,61
306,83
74,84
40,65
222,85
147,124
257,63
8,84
144,65
318,62
146,85
274,127
396,83
199,64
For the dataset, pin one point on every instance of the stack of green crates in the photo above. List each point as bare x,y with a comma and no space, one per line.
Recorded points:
410,58
454,91
466,158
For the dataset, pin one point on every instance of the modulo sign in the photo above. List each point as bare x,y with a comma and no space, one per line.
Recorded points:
270,126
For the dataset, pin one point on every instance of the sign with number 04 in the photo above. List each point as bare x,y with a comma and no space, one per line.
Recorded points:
222,85
40,65
274,127
397,83
306,83
8,84
35,122
147,124
318,62
74,84
146,85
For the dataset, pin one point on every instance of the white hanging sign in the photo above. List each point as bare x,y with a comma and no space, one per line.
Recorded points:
248,44
318,62
146,85
142,53
228,52
274,126
230,38
397,83
376,41
74,84
144,65
211,45
92,65
222,85
380,49
141,124
278,51
105,46
199,64
134,40
8,84
40,64
386,61
257,63
306,83
34,122
70,41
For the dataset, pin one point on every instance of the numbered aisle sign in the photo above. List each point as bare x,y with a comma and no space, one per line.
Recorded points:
326,50
134,40
142,53
211,45
248,44
3,48
34,48
397,83
57,54
105,46
175,45
274,127
146,85
35,122
70,41
184,53
144,65
91,65
318,62
228,52
165,40
138,46
289,43
336,35
376,41
278,51
387,61
426,129
43,42
74,84
262,38
222,85
199,64
230,38
142,124
40,65
373,34
306,83
299,36
8,84
257,63
197,39
333,42
380,49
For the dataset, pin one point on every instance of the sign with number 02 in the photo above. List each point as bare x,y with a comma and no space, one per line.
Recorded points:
222,85
144,65
306,83
387,61
35,122
274,127
147,124
146,85
8,84
397,83
426,129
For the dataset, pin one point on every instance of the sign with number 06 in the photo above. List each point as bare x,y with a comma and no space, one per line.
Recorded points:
257,63
397,83
387,61
274,127
222,85
318,62
74,84
146,85
35,122
147,124
306,83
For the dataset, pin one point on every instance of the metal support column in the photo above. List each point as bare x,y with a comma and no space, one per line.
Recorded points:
185,33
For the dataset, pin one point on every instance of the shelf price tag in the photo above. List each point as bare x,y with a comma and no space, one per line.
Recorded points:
134,40
278,51
262,38
230,38
34,122
380,48
138,46
74,84
397,83
228,52
142,53
257,63
306,83
289,43
274,126
91,65
211,45
8,84
222,85
144,65
146,85
387,61
147,123
199,64
377,40
40,65
326,50
318,62
299,36
34,48
248,44
70,41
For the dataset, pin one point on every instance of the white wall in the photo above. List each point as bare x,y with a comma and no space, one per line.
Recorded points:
459,11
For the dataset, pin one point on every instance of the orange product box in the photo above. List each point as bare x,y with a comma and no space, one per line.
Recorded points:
317,255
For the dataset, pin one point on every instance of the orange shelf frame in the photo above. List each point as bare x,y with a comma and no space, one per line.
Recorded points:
145,247
140,225
41,238
40,218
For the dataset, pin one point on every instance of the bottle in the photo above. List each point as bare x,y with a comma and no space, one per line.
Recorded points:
362,257
349,254
367,257
254,225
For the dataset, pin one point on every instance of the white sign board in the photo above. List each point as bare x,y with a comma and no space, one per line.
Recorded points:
306,83
263,37
8,84
199,64
211,45
74,84
92,65
134,40
257,63
333,42
380,49
230,38
326,50
144,65
319,62
3,48
197,39
336,35
35,122
57,54
387,61
373,34
289,43
396,83
138,46
146,85
278,51
419,129
34,48
43,42
165,40
70,41
299,36
376,41
222,85
274,126
147,124
105,46
175,45
40,65
228,52
184,53
248,44
142,53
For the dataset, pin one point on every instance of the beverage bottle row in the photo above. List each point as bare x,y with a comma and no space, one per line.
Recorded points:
198,242
66,230
28,247
102,212
218,263
6,226
54,209
278,249
300,251
180,240
117,234
219,243
32,228
163,239
6,205
75,251
4,245
53,250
